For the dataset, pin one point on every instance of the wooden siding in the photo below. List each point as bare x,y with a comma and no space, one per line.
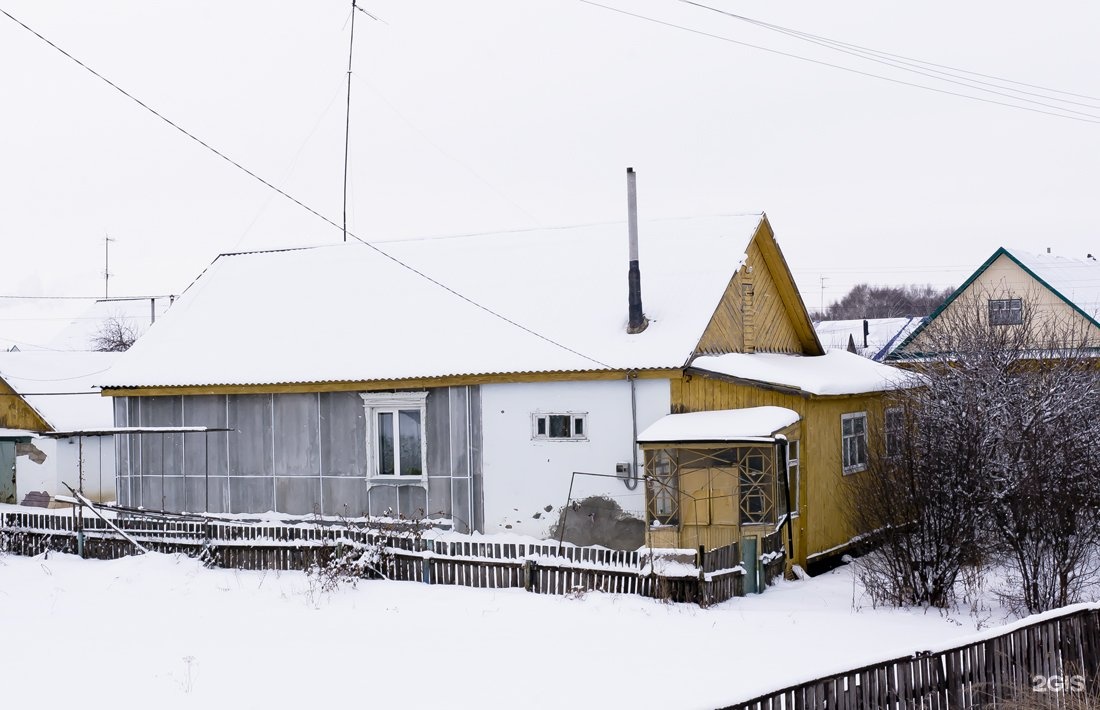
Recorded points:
823,487
751,315
15,413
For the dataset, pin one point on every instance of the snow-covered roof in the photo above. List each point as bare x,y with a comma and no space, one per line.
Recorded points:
1076,280
749,424
837,372
349,313
61,386
135,314
884,334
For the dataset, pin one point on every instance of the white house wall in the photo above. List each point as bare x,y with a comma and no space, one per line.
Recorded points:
62,465
527,479
34,477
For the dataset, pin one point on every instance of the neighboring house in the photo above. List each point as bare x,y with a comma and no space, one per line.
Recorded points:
873,338
43,393
1060,291
352,385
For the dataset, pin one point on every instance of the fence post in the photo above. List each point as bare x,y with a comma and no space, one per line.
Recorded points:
530,576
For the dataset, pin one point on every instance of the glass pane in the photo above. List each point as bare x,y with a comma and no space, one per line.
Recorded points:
559,426
859,423
846,425
409,430
578,426
541,426
385,443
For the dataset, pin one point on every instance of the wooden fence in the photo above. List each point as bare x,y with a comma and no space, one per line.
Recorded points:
537,567
1051,663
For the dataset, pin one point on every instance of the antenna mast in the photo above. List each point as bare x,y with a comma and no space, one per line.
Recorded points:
106,264
347,119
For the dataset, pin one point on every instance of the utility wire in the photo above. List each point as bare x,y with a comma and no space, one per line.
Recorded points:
891,55
906,66
841,67
298,202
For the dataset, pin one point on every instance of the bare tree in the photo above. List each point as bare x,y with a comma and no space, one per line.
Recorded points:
867,301
995,455
114,335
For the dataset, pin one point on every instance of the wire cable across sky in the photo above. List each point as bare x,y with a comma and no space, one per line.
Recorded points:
295,200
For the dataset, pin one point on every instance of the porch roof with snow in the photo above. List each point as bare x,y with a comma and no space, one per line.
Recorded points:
542,301
755,424
836,373
60,387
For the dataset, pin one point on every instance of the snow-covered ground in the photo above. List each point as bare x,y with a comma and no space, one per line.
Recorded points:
162,631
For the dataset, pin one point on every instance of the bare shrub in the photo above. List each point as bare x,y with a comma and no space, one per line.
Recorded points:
114,335
997,456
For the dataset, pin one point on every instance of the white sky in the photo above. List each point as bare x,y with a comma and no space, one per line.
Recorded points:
487,115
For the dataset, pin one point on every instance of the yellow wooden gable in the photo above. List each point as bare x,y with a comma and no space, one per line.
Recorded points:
15,413
761,309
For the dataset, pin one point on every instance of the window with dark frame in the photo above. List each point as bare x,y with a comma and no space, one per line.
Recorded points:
1006,311
893,431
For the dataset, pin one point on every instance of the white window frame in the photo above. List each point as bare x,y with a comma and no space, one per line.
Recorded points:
1010,311
845,464
376,403
573,418
793,482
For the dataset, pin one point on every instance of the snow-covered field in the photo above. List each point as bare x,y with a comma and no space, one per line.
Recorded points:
161,631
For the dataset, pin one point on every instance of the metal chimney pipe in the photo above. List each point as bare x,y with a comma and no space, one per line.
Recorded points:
637,321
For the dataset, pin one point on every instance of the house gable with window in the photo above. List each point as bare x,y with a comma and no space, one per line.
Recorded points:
1014,287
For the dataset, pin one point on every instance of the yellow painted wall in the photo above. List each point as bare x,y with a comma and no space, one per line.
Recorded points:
1005,279
824,488
15,413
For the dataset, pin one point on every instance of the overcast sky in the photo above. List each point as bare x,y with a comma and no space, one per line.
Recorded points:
492,115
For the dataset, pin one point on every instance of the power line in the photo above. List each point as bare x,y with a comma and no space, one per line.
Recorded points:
84,298
841,67
923,62
298,202
903,65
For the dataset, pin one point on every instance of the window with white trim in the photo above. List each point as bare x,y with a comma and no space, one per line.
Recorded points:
563,426
792,474
396,445
1006,311
853,441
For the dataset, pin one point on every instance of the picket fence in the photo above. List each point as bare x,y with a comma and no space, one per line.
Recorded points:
705,578
1051,663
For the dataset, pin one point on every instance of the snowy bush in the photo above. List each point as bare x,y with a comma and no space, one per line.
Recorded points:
997,459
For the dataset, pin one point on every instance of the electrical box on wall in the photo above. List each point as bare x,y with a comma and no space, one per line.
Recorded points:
622,470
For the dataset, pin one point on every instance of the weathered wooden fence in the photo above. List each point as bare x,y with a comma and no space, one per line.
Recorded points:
537,567
1051,663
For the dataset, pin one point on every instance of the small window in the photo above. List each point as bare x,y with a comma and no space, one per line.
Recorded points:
1006,311
853,440
567,426
894,431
